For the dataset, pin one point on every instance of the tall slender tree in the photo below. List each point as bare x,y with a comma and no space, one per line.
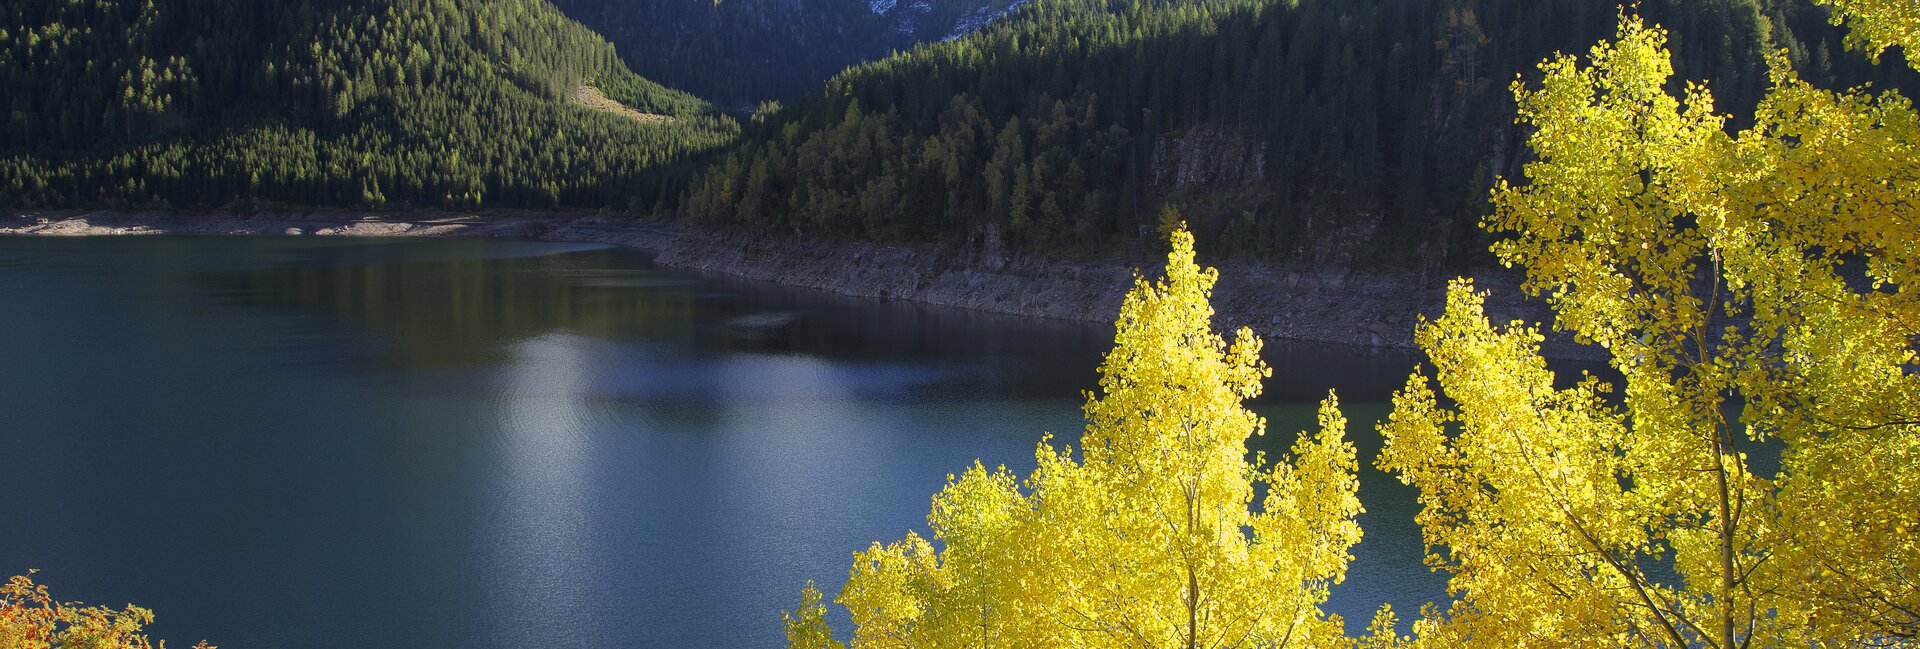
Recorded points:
1757,480
1148,536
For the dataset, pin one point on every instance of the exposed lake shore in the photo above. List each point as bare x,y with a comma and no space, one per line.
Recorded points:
1327,305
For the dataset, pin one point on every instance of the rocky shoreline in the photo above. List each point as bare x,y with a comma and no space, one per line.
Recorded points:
1322,305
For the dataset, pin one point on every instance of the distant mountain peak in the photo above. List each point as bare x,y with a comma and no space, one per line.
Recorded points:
980,17
739,53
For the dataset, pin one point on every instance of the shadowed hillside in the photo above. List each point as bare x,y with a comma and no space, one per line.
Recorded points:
1316,131
207,103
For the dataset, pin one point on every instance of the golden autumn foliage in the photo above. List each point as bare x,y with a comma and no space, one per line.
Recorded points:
1750,479
806,627
1149,536
31,619
1753,290
1875,25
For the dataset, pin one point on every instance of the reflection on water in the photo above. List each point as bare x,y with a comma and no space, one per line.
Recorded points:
542,513
309,442
442,310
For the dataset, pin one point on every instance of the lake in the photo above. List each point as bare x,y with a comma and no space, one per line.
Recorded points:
307,442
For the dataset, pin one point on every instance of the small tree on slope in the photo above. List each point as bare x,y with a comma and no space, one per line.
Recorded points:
1148,537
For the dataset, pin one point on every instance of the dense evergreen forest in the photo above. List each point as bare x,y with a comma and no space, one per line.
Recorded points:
740,53
427,103
1317,130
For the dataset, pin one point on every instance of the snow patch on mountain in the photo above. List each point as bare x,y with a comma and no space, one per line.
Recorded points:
974,20
881,6
908,20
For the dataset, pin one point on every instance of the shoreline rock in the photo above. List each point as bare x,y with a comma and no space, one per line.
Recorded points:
1326,305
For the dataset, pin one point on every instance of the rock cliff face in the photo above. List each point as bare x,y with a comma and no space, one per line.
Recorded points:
1207,156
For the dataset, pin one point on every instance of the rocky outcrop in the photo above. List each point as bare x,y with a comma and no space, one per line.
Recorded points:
1207,156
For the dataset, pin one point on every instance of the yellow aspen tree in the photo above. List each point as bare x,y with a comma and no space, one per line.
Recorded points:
806,627
31,619
1753,291
1148,536
1875,25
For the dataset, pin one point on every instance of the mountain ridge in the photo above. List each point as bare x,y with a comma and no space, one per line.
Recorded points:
743,53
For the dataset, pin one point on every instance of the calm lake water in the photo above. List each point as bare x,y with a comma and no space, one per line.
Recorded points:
323,443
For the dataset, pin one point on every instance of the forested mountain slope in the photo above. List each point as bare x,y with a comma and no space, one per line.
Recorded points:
1314,131
223,103
739,53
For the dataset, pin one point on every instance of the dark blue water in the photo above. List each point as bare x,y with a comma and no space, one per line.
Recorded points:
319,443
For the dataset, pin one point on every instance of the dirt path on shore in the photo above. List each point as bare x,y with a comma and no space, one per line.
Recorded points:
1372,308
